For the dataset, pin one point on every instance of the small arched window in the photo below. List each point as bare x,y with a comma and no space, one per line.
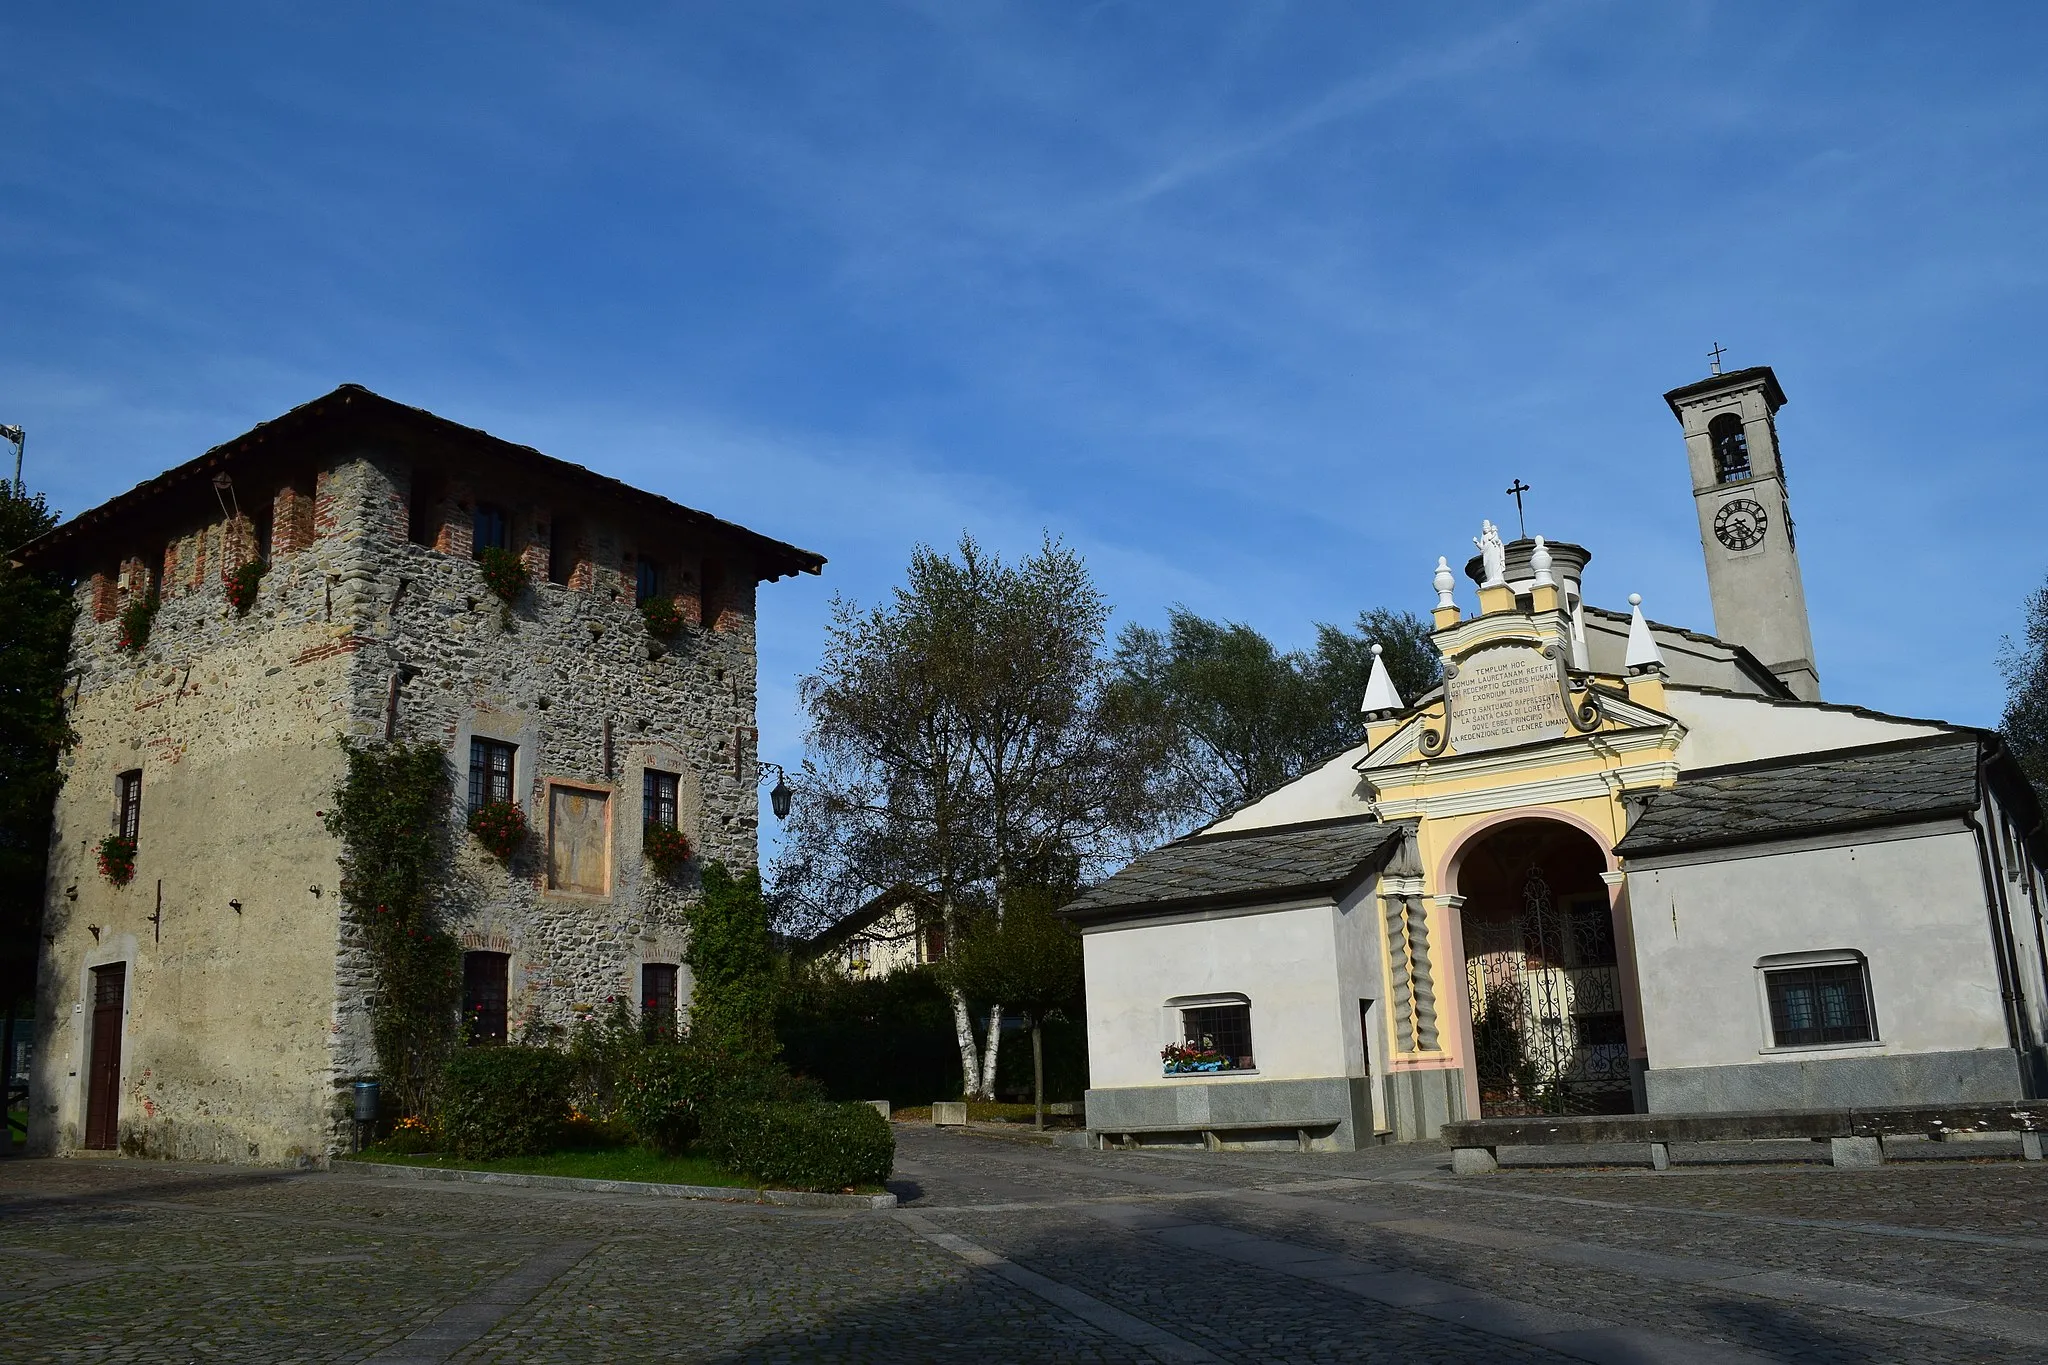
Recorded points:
1731,448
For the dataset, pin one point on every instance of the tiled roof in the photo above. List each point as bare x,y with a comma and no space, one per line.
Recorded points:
1244,868
1752,803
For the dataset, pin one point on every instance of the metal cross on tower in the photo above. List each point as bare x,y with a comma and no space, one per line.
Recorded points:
1516,489
1715,356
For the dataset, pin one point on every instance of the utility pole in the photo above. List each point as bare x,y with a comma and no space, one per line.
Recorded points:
20,439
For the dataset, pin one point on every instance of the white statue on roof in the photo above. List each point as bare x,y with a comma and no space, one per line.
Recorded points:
1492,554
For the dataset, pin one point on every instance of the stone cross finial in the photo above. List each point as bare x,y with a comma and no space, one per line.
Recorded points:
1445,580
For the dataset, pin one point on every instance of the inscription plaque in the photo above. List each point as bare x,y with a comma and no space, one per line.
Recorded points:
1504,696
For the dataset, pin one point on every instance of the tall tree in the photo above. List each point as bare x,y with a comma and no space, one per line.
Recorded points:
1031,959
1238,718
964,742
35,636
2025,664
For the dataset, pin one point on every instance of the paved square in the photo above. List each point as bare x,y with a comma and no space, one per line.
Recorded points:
1006,1251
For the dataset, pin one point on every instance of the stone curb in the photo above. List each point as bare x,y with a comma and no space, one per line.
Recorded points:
722,1193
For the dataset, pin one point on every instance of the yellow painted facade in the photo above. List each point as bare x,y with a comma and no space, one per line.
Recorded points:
1617,741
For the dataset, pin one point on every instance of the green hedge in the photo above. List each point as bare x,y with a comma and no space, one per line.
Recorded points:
504,1101
803,1146
889,1038
667,1093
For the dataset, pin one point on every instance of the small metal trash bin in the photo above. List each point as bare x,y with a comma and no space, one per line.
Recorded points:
366,1109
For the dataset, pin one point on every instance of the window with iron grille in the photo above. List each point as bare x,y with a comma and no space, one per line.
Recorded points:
646,579
490,771
658,1000
491,532
1823,1003
486,991
129,785
658,798
1225,1029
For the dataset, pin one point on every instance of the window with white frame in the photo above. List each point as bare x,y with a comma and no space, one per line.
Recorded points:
1818,999
1214,1033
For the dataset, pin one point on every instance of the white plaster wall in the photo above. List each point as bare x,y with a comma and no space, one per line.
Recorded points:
1722,729
1326,793
1284,960
1913,906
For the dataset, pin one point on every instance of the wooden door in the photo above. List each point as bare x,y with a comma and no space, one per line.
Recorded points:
103,1078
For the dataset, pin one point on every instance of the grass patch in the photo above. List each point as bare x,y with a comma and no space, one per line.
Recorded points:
617,1163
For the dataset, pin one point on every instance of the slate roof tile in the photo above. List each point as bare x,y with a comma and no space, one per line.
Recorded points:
1244,868
1759,802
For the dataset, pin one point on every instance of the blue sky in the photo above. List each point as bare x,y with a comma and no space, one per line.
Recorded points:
1260,305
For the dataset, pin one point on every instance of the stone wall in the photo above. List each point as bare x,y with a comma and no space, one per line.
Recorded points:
231,720
245,1026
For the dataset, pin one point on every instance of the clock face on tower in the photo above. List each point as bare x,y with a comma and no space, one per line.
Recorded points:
1741,523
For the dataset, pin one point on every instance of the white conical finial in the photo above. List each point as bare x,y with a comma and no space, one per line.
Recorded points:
1380,694
1643,653
1539,560
1445,581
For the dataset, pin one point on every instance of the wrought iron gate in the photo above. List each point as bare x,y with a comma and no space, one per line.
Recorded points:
1547,1033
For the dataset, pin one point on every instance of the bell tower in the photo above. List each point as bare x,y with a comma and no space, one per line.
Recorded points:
1738,487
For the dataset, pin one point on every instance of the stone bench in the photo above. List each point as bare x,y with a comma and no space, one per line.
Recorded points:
1304,1129
1855,1137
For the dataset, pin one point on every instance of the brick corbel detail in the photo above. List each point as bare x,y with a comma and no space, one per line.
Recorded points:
105,597
291,521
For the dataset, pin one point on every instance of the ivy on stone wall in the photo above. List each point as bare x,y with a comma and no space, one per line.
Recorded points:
391,815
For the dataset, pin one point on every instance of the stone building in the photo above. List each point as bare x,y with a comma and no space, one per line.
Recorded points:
215,1006
1608,866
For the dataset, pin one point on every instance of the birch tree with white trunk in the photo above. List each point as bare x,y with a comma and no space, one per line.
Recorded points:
965,742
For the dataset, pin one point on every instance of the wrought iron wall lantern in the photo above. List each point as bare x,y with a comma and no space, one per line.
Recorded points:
778,799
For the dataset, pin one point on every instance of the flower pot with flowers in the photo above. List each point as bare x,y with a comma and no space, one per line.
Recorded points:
242,584
117,859
500,826
666,848
1182,1058
664,617
136,619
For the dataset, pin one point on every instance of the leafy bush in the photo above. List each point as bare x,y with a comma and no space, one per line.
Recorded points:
500,826
504,1101
670,1093
117,859
505,574
663,615
803,1146
242,586
136,619
601,1051
666,848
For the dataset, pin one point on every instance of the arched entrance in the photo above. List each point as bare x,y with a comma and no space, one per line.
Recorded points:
1541,974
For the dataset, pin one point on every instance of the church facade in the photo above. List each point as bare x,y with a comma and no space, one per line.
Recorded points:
1607,866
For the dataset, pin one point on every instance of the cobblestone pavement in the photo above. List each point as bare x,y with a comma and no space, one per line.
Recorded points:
1005,1251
